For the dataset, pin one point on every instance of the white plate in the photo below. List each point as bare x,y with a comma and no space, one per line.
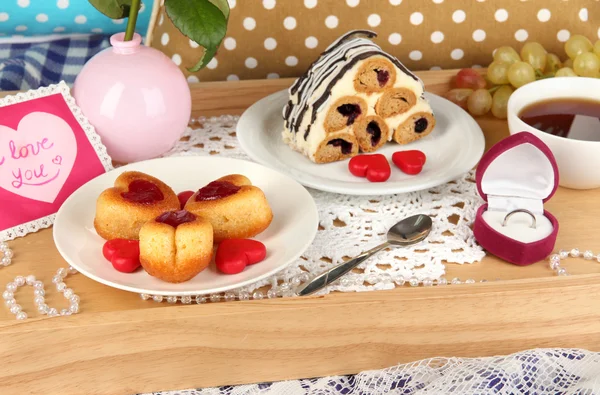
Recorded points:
295,223
453,148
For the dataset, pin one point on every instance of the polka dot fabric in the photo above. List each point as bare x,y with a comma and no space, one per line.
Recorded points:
44,17
277,38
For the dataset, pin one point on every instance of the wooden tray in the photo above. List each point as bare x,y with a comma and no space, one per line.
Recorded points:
120,344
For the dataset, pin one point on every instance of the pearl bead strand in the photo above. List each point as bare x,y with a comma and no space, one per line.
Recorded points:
555,259
286,289
6,254
282,290
39,293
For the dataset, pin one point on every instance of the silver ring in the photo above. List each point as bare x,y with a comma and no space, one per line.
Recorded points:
521,210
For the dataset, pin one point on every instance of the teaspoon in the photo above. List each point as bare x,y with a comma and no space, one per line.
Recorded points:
409,231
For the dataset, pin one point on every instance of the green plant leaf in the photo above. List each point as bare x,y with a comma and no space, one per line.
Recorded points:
201,21
114,9
223,5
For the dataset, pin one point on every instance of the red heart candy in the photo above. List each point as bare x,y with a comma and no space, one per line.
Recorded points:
123,254
233,255
410,162
184,197
375,167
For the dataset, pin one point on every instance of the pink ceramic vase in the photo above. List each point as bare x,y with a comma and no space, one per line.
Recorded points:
136,98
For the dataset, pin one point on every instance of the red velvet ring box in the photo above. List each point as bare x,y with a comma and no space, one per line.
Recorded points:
519,172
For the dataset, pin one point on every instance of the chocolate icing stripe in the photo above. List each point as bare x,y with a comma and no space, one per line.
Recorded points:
367,34
306,106
295,86
307,132
314,70
350,35
286,113
325,68
332,46
402,67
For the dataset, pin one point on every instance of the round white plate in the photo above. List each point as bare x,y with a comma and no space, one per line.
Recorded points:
453,148
295,223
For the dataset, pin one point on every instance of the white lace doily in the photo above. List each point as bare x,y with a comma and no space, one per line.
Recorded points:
350,225
540,371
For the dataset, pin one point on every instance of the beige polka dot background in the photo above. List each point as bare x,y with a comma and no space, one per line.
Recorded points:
280,38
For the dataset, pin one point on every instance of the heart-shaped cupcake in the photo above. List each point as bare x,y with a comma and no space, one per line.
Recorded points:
235,208
374,167
176,246
135,199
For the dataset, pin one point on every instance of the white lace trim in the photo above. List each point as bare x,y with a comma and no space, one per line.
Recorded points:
350,225
94,139
539,371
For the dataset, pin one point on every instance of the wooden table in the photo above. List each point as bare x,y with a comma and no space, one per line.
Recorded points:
120,344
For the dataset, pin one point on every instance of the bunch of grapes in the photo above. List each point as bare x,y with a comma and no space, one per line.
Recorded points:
511,70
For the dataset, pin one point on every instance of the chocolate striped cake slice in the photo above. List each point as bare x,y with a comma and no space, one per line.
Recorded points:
354,98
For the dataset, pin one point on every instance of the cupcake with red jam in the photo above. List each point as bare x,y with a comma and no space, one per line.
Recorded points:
176,246
135,199
235,208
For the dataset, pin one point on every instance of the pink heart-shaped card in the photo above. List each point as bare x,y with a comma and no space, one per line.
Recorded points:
47,151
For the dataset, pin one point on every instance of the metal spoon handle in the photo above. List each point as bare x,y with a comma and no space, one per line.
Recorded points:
326,278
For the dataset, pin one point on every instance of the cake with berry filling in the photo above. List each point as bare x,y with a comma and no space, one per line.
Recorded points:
413,124
135,199
235,208
354,98
176,246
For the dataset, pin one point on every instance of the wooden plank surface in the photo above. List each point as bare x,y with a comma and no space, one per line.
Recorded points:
118,345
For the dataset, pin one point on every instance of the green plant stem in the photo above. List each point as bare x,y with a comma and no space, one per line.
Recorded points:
132,20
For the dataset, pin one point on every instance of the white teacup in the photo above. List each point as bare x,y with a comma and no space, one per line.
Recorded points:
578,160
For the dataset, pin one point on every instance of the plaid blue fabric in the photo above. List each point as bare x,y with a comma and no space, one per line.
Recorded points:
26,66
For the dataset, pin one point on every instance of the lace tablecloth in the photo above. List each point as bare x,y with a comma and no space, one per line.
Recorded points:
350,225
534,372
